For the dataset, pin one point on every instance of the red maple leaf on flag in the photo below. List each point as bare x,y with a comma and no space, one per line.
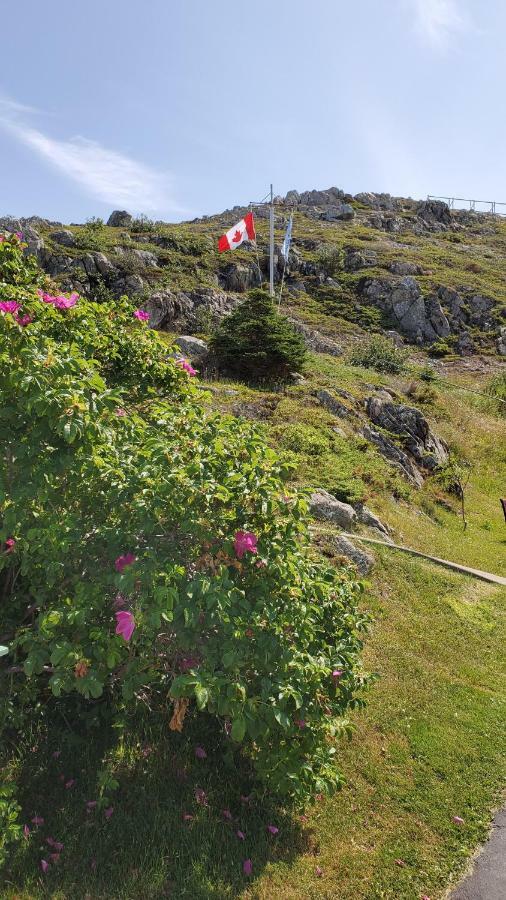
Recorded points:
237,237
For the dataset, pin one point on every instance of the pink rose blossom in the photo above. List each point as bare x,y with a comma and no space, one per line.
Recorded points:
457,820
9,545
186,366
122,561
24,320
108,812
141,315
272,829
70,783
240,835
120,411
200,753
9,306
245,542
50,841
318,871
337,674
2,238
37,820
247,867
26,831
18,235
44,865
425,897
125,624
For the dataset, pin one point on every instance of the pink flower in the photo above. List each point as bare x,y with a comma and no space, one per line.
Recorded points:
188,662
125,624
187,817
45,297
44,865
304,818
141,315
457,820
55,857
9,545
318,871
24,320
300,723
400,863
201,797
184,364
247,867
119,601
200,753
90,804
240,835
9,306
50,841
337,674
245,542
272,829
425,897
227,814
108,812
62,302
122,561
37,820
2,238
120,411
26,831
70,783
58,846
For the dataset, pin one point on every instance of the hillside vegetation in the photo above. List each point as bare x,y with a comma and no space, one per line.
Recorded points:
428,746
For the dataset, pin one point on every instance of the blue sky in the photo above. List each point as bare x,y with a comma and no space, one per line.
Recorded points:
177,108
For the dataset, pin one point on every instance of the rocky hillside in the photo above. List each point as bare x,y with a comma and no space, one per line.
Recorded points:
427,275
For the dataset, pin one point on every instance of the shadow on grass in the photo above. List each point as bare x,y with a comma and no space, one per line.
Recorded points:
159,841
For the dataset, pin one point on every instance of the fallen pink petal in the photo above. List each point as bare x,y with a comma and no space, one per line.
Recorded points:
125,624
240,835
318,871
44,865
200,753
37,820
108,812
272,829
247,867
400,863
457,820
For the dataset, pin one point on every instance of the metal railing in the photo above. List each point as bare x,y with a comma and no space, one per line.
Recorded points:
473,205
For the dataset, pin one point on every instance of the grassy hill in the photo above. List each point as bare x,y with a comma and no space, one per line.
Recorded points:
429,745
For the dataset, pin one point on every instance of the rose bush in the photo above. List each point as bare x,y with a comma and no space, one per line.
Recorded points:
149,549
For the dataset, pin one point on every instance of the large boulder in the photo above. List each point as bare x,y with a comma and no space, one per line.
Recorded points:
359,259
377,201
343,212
314,340
333,405
426,448
357,555
64,237
239,278
501,341
368,518
120,218
174,310
194,348
325,506
394,455
434,211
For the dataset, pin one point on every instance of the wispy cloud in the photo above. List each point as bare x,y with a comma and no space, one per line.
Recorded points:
437,20
108,175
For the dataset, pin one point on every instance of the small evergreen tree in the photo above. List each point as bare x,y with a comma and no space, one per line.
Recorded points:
257,343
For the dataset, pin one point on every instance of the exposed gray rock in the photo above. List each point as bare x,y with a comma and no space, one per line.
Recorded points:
333,406
341,213
10,224
64,237
239,278
34,241
363,560
325,506
192,347
367,517
378,201
129,284
120,218
432,211
404,268
104,265
315,341
183,309
427,449
422,321
359,259
394,455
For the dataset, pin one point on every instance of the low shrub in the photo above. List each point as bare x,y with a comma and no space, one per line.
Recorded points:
256,343
381,355
150,554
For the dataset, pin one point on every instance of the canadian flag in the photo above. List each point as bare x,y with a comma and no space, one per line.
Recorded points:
243,231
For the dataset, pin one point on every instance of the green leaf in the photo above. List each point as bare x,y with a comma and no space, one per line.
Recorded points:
3,650
238,729
201,696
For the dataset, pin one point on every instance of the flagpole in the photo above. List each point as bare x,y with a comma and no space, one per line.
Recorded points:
271,246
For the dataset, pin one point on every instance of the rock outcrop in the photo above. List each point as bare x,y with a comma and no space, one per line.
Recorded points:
325,506
120,218
420,319
360,558
427,449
